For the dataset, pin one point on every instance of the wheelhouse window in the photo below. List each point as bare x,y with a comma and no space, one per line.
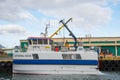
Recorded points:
45,41
34,41
40,41
51,42
29,41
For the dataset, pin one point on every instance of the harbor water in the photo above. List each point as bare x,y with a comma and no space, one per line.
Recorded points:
105,76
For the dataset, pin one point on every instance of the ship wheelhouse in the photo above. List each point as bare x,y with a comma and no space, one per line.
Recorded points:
39,41
39,44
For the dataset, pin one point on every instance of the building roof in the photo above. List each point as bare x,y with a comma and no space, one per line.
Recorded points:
38,38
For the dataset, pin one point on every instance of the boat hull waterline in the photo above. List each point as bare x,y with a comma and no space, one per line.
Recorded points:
55,69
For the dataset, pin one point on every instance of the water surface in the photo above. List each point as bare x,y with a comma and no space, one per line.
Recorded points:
106,76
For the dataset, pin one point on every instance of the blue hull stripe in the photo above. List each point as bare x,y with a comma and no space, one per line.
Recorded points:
56,62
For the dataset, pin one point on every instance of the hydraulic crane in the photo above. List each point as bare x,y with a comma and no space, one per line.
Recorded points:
59,29
71,34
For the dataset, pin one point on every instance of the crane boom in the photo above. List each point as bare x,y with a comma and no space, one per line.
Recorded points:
59,29
71,34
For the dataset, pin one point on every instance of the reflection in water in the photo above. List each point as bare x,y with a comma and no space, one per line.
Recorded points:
5,76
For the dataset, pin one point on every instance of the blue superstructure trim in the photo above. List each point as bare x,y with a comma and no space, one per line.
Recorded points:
56,62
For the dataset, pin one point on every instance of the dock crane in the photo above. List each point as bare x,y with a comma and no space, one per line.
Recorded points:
59,29
71,34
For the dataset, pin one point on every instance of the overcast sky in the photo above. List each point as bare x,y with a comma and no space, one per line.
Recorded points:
20,19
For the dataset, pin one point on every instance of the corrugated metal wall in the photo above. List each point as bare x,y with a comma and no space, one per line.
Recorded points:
118,50
110,48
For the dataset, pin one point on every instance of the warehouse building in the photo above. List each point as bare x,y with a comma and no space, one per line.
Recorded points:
110,44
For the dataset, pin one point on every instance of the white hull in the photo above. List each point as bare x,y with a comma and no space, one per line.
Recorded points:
55,69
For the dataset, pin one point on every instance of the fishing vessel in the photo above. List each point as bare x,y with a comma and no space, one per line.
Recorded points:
44,57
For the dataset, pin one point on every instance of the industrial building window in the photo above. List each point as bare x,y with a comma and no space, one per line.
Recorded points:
35,56
71,56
